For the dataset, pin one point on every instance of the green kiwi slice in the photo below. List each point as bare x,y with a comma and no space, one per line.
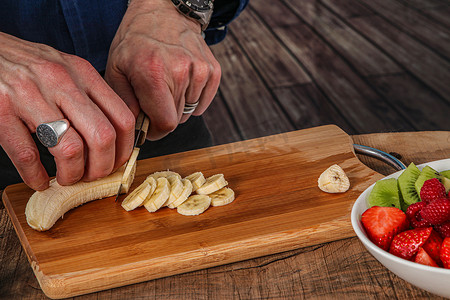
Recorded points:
385,193
427,173
446,173
406,184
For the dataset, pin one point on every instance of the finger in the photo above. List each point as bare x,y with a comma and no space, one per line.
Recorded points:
211,87
199,77
118,113
21,149
95,129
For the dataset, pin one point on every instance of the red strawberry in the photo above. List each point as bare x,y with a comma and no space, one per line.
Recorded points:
437,212
431,190
443,229
383,223
433,246
413,213
407,243
445,253
423,258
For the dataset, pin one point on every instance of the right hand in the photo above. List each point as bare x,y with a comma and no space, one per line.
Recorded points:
39,84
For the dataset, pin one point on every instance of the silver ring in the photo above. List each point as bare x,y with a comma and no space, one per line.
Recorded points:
189,108
49,134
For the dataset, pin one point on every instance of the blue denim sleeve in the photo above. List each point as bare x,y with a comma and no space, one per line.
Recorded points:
225,11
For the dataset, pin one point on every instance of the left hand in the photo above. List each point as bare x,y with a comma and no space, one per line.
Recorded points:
158,61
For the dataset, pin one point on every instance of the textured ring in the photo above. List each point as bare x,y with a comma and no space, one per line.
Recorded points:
190,107
49,134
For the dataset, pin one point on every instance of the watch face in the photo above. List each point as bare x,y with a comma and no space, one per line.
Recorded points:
198,4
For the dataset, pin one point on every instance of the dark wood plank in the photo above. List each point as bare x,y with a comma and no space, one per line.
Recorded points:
420,4
220,122
275,64
412,22
423,63
308,107
354,98
360,53
348,9
440,15
414,101
250,102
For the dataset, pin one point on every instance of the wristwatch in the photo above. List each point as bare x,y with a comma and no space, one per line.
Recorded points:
199,10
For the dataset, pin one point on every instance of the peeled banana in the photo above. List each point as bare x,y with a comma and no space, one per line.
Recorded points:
212,184
45,207
334,180
197,179
159,196
187,190
222,197
194,205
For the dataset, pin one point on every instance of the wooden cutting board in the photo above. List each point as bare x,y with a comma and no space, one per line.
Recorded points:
278,207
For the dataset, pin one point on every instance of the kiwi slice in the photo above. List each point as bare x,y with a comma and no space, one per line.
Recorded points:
385,193
406,184
427,173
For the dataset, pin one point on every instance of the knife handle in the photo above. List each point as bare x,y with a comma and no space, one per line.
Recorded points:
142,124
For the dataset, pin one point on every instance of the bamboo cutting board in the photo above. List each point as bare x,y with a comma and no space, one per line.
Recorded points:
278,207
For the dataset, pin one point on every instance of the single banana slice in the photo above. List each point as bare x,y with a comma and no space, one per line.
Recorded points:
194,205
334,180
137,197
197,180
221,197
165,174
176,188
45,207
187,190
153,183
130,170
159,196
212,184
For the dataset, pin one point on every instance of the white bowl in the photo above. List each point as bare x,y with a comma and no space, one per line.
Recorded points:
432,279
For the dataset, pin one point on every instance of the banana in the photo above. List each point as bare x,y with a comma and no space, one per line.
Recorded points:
166,174
194,205
44,208
197,180
176,188
221,197
334,180
187,190
130,170
212,184
159,196
137,197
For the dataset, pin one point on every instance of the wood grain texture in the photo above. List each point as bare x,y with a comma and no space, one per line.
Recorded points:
278,207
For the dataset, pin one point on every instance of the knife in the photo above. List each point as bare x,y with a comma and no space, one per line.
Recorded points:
141,128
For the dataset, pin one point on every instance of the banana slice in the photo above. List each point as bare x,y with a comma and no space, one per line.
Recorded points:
221,197
166,174
130,170
212,184
197,180
194,205
45,207
334,180
187,190
159,196
137,197
176,188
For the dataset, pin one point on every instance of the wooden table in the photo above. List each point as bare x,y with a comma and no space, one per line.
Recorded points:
337,269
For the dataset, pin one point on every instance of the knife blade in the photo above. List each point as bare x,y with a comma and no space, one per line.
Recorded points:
141,128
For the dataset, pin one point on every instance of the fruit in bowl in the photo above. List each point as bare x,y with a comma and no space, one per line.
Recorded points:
404,222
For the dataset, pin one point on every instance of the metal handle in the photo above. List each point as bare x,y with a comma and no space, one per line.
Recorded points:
380,155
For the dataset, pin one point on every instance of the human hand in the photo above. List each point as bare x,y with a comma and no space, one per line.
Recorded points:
158,61
39,84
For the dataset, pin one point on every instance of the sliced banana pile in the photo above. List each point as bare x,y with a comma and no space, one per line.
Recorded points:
168,188
334,180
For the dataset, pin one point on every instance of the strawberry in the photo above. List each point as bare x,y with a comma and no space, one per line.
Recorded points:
443,229
383,223
407,243
433,246
423,258
414,217
431,190
437,212
445,253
